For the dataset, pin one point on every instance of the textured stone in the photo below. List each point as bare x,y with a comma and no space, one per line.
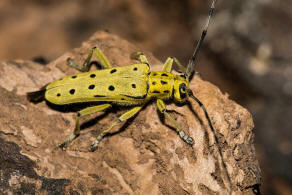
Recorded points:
145,157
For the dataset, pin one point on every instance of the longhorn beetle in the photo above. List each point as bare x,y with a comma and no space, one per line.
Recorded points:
128,85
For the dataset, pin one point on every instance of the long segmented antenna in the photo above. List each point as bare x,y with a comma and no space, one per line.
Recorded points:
191,95
190,67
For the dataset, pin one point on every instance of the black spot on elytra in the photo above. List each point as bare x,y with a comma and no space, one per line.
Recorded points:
137,97
166,91
91,86
58,94
163,74
153,83
113,71
74,76
92,75
163,82
133,85
155,91
123,99
135,69
98,96
154,74
111,88
72,91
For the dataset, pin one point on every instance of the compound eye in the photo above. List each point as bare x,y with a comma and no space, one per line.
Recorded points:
182,91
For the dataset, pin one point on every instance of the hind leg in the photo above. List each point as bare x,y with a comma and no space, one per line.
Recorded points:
86,65
81,113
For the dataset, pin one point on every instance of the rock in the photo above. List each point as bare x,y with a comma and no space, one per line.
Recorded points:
145,157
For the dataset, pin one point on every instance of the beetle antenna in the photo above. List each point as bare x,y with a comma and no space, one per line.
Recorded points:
191,95
190,67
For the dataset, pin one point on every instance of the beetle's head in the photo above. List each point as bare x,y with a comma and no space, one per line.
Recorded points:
181,88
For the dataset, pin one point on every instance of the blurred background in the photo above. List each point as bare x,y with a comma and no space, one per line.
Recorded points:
247,53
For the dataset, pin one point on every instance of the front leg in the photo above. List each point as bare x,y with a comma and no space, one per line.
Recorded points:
167,67
161,107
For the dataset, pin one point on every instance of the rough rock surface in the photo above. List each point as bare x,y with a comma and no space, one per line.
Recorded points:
145,157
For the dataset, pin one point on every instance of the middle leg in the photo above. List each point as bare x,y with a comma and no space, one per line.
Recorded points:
139,56
122,118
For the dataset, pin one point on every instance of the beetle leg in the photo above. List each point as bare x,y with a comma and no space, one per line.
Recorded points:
81,113
87,63
122,118
161,107
139,56
181,67
102,58
167,67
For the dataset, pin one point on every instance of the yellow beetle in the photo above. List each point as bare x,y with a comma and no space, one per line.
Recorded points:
128,85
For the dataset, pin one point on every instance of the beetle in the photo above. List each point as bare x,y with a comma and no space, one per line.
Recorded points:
133,85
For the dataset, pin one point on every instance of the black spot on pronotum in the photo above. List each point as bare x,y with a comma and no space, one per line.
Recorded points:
135,69
91,86
155,91
113,71
111,88
133,85
182,91
163,74
183,76
172,93
58,94
163,82
166,91
72,91
74,76
92,75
